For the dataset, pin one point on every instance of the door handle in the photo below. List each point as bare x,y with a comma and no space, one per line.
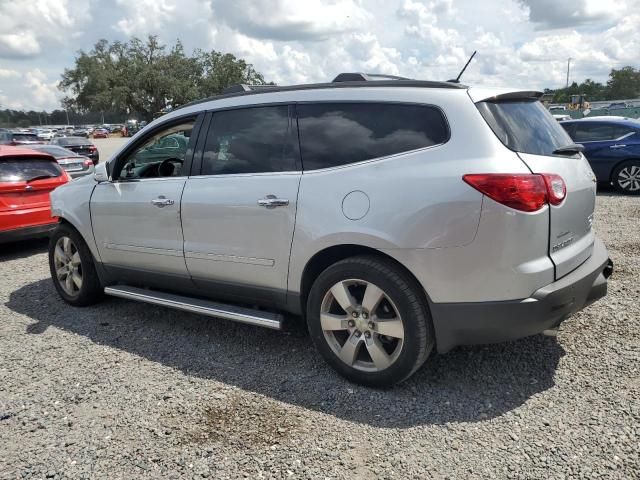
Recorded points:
271,201
162,201
617,146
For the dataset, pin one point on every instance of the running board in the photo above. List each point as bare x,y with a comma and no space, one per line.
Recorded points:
196,305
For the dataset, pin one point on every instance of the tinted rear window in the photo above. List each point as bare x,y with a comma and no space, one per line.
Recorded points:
72,141
589,131
333,134
25,136
26,169
524,126
53,150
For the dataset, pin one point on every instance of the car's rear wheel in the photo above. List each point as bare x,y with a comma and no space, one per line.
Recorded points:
626,177
72,268
369,320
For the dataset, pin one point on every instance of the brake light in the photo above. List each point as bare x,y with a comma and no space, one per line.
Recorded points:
87,162
521,191
92,148
556,188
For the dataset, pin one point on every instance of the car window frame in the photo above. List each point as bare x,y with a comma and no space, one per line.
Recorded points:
118,162
198,163
375,159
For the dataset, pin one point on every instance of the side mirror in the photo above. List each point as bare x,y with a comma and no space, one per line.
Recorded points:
101,174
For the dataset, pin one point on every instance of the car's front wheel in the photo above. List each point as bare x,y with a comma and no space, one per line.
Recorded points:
626,177
72,268
369,320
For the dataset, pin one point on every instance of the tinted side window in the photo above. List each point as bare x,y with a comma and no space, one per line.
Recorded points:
250,140
333,134
594,132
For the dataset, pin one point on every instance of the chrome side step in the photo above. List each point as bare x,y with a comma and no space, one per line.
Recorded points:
196,305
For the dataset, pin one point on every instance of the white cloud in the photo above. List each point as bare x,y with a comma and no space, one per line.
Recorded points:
522,43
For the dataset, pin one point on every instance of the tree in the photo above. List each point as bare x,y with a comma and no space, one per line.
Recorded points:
624,83
146,77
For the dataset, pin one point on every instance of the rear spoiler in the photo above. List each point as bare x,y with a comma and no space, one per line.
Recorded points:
479,94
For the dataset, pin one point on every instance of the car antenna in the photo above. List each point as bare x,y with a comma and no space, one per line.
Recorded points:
457,79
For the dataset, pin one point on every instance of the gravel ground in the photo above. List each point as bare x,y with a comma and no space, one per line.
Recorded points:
124,390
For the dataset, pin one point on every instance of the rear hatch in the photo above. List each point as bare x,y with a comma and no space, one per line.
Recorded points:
25,185
84,149
525,126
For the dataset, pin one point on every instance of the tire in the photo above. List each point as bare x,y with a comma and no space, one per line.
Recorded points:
626,177
352,303
69,252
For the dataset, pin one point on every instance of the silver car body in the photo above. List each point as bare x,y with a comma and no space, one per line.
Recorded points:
461,246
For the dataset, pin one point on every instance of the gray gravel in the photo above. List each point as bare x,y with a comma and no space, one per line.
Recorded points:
125,390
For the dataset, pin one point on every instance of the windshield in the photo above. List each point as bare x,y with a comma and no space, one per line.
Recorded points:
524,126
27,169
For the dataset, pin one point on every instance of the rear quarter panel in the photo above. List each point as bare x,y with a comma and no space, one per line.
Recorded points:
417,200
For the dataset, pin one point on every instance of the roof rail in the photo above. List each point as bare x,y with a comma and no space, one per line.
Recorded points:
364,77
242,87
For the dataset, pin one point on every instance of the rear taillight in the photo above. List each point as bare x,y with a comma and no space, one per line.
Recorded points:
93,148
556,188
87,162
521,191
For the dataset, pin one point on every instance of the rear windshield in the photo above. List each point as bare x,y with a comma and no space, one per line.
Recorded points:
25,136
57,152
524,126
73,141
27,169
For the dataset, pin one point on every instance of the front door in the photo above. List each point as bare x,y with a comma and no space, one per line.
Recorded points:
136,216
238,213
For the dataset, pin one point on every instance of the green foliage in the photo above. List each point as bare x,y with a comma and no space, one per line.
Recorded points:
622,84
146,77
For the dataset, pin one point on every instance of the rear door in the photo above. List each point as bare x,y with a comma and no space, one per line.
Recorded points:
25,185
525,126
239,207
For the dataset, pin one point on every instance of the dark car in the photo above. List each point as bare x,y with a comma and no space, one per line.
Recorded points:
8,137
79,145
75,165
612,147
80,132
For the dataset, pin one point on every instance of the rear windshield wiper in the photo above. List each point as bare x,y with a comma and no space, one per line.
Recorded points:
572,149
40,177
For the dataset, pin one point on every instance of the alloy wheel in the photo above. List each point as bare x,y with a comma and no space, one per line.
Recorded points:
362,325
629,178
68,266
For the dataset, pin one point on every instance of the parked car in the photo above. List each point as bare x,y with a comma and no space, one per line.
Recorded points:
26,179
612,147
100,133
80,132
79,145
619,105
18,138
45,134
396,216
74,164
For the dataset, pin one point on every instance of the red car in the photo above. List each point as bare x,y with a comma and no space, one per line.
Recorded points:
26,179
100,133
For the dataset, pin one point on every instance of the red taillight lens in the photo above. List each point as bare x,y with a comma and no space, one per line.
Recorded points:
88,162
556,188
521,191
93,148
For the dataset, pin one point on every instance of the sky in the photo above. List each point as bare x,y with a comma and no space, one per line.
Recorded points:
520,43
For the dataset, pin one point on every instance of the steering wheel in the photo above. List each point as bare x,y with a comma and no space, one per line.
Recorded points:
168,167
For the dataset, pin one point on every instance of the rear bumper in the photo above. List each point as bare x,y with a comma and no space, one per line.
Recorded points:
491,322
36,231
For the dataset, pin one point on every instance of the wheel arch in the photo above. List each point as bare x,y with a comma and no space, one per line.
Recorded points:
326,257
618,165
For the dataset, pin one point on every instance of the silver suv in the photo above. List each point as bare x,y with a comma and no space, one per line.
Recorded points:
393,215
